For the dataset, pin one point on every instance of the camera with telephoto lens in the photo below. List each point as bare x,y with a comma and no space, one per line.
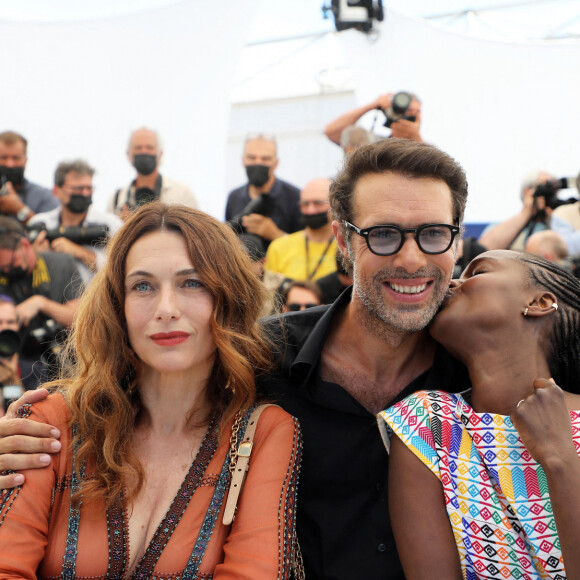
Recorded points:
400,104
549,191
262,205
81,235
9,345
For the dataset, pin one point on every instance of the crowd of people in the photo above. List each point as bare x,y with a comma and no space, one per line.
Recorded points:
168,357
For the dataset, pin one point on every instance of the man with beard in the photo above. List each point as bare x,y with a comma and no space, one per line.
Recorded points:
45,288
19,197
73,187
397,208
144,152
310,253
265,206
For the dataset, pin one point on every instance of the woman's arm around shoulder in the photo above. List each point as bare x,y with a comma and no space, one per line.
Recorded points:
261,540
25,510
422,530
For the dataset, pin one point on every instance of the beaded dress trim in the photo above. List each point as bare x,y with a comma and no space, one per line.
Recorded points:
116,524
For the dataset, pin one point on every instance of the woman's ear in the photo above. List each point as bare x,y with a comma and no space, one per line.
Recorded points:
542,305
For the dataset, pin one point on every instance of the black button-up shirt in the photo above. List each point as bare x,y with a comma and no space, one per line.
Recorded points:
343,519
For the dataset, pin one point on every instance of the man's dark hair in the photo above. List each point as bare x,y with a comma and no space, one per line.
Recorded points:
65,167
404,157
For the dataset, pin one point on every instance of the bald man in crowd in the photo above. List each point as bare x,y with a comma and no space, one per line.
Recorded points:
548,244
145,152
266,206
310,253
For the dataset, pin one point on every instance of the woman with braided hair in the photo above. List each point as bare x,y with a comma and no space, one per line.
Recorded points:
486,483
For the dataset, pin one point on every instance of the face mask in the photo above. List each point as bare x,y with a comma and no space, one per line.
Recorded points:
14,175
15,273
79,203
145,164
258,175
314,220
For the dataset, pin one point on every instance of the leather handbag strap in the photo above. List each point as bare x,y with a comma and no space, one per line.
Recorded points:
243,453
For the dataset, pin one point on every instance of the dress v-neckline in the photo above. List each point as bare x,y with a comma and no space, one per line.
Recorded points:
117,517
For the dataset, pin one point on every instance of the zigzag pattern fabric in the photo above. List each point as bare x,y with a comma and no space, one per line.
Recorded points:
496,495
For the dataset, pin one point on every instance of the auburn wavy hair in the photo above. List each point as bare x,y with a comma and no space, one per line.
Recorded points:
100,376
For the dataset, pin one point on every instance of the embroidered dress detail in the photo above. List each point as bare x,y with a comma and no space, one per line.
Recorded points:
496,495
72,535
288,541
179,505
117,534
215,505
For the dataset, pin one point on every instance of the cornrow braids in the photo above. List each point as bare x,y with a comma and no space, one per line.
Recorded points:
563,341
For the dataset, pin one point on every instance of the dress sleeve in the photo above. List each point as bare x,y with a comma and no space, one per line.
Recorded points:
25,510
260,543
412,421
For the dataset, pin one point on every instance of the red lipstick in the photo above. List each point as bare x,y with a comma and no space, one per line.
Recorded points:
169,338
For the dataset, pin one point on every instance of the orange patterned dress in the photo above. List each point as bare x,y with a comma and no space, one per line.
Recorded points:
43,536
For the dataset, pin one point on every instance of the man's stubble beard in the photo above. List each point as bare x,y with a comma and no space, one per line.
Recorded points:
387,322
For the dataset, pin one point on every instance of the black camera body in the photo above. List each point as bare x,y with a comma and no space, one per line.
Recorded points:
549,191
262,205
400,104
82,235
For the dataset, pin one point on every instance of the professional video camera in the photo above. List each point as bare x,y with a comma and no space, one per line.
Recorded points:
82,235
400,104
549,191
9,345
262,205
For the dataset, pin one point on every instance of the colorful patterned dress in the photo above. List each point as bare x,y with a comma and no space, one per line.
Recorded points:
42,536
496,495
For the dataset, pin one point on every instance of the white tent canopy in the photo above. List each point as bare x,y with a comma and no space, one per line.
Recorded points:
82,79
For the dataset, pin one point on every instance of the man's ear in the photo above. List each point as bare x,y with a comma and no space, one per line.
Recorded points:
338,232
542,304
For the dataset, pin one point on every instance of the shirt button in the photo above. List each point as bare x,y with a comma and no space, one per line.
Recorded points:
382,548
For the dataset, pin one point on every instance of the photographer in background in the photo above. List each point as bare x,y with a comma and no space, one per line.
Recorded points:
64,228
404,125
566,221
144,152
10,383
534,216
19,197
45,288
266,206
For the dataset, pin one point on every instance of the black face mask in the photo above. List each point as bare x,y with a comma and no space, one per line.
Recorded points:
16,273
79,203
144,163
15,175
258,175
314,220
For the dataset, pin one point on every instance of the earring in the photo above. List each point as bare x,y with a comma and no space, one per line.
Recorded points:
554,306
526,311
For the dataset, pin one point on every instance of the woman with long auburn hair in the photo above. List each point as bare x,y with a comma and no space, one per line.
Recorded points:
153,403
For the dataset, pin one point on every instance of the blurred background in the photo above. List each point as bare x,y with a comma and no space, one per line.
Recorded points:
498,82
